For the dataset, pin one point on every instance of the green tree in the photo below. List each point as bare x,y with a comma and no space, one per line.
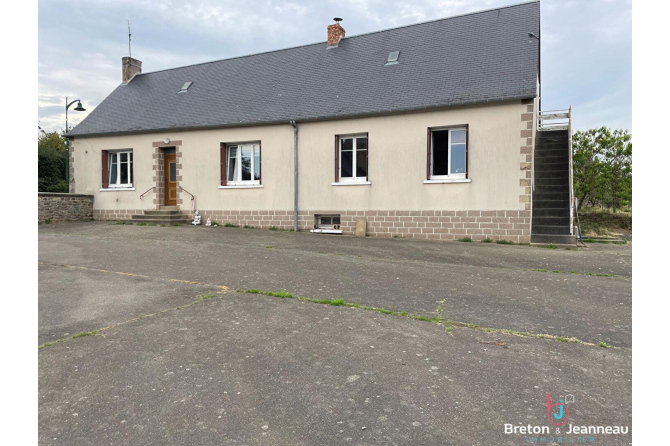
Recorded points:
602,167
51,163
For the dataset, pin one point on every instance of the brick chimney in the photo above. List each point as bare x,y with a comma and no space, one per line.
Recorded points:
335,32
129,68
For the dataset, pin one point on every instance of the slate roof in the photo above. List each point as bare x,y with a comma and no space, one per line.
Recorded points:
473,58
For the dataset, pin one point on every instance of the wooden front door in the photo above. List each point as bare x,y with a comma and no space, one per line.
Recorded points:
170,179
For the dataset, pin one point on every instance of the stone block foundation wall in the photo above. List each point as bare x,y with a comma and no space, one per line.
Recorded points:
64,207
443,225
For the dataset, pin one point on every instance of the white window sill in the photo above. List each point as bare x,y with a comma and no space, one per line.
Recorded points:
114,189
326,231
447,180
352,183
243,186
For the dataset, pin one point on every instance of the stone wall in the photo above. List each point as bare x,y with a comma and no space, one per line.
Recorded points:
443,225
64,207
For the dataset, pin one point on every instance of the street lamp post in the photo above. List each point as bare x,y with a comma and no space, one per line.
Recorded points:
67,140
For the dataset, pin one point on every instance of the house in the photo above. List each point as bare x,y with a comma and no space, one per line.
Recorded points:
424,131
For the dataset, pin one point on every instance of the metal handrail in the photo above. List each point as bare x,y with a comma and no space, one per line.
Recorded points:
145,192
563,116
192,198
572,187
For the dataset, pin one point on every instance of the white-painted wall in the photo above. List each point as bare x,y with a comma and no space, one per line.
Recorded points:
397,164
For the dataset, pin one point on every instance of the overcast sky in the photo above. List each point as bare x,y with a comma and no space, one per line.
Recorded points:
586,46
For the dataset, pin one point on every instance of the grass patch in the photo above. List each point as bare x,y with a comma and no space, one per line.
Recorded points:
504,242
249,227
230,225
575,272
604,345
273,228
269,246
85,333
449,325
141,224
549,246
465,239
487,240
47,221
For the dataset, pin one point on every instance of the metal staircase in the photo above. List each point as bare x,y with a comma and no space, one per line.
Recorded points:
552,204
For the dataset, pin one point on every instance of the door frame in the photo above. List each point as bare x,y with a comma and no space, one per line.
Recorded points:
160,148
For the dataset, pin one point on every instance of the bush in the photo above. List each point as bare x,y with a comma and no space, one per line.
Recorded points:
51,163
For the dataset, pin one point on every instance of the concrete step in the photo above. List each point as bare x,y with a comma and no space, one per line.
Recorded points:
551,212
539,197
552,220
552,157
547,204
552,188
163,207
167,217
550,229
545,174
554,239
547,182
549,167
162,212
159,221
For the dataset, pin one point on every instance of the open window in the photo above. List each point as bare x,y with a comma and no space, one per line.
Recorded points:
241,164
327,224
448,153
117,169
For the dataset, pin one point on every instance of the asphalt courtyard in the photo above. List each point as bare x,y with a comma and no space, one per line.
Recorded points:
147,337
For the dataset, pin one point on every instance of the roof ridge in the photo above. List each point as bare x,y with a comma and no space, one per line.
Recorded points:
352,37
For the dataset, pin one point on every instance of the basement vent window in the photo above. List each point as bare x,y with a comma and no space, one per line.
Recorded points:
185,87
327,224
393,58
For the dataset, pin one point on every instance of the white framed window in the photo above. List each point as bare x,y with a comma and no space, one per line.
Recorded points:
352,158
120,168
242,164
448,153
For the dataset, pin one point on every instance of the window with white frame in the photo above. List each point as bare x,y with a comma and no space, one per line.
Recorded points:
352,159
448,153
120,168
243,164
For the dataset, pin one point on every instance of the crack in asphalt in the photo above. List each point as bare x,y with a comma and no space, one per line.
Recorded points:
439,320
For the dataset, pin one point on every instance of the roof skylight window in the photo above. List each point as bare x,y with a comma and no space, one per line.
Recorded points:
393,58
184,88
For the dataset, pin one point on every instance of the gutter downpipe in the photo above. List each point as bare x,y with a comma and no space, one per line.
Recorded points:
295,174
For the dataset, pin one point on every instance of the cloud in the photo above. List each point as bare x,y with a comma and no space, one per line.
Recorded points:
586,46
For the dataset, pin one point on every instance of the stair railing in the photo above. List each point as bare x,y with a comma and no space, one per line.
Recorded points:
147,191
572,188
192,198
557,119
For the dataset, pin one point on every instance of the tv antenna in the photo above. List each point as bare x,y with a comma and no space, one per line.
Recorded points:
129,53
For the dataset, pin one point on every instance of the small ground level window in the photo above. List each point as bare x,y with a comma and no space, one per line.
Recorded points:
327,222
117,168
448,153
